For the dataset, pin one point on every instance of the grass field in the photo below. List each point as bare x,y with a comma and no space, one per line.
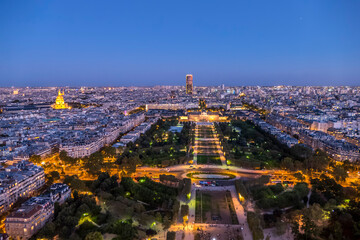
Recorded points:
208,159
214,207
202,206
198,207
209,144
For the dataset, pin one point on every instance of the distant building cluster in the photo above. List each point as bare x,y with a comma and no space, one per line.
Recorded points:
321,117
277,133
340,150
337,149
133,135
31,124
84,143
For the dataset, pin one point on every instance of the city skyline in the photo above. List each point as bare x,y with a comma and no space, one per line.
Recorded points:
121,44
221,156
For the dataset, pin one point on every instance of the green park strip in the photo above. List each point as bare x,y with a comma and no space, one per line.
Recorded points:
208,159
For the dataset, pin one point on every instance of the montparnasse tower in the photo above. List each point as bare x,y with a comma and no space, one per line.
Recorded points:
189,84
59,102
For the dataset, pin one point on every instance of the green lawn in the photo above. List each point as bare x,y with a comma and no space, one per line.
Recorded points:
203,201
206,144
208,159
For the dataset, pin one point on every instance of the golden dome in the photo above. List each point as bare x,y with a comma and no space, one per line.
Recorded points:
59,102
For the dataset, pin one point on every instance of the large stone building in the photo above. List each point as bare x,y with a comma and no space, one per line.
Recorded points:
29,218
204,117
32,215
59,102
19,180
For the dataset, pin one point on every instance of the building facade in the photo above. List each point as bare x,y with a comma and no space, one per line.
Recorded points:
86,147
19,180
189,84
59,102
32,215
29,218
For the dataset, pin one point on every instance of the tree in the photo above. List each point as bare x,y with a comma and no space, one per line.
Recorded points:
295,218
287,163
299,176
94,163
298,165
184,211
166,223
339,173
63,155
94,236
158,217
255,225
171,236
318,161
175,210
280,227
54,150
55,175
309,228
66,159
302,189
187,187
75,183
315,213
301,151
123,229
241,189
109,151
337,230
328,188
36,159
305,223
48,231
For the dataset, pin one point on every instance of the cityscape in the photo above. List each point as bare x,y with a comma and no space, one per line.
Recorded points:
125,121
179,161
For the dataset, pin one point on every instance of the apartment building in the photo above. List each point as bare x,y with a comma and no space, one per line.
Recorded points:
19,180
32,215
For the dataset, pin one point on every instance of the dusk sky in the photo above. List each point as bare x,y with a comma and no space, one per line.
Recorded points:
151,42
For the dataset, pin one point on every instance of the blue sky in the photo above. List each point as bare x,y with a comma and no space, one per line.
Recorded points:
145,43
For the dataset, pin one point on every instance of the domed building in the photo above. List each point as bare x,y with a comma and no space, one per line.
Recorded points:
59,102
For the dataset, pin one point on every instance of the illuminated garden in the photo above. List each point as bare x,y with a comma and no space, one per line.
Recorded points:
155,186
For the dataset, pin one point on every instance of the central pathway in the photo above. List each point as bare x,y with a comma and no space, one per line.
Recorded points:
207,142
208,151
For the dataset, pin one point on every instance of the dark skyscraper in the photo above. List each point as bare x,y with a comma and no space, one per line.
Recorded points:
189,84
